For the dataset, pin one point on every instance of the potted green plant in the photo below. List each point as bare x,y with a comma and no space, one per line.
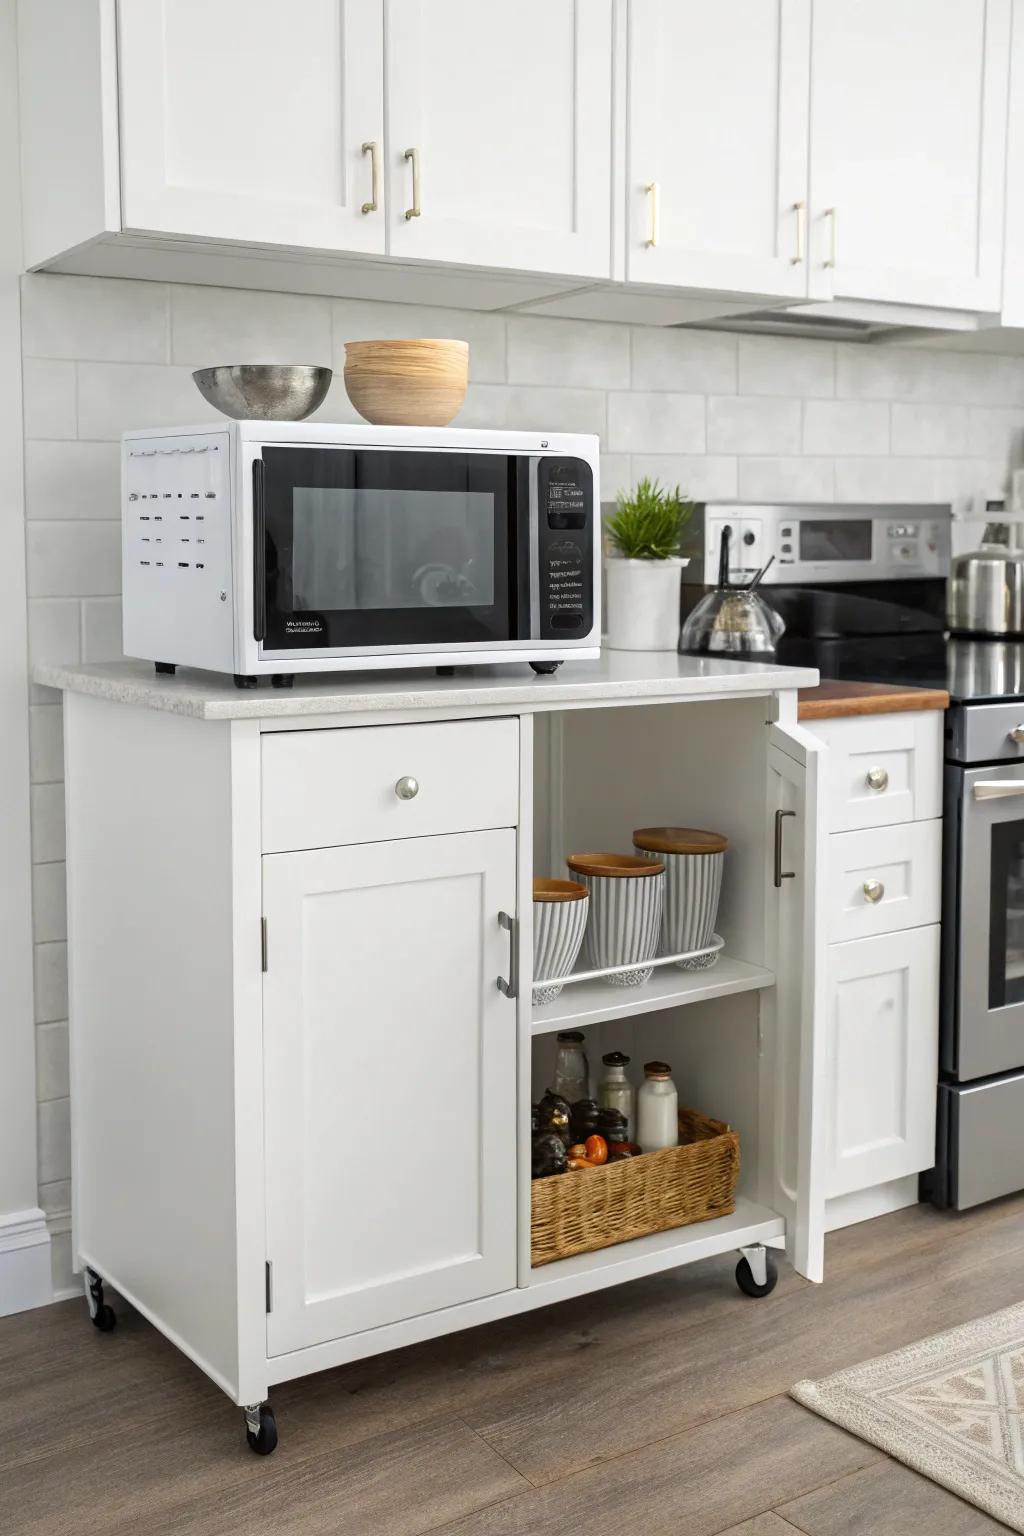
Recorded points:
643,566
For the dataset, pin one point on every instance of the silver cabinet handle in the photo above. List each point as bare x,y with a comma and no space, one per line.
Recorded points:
407,788
874,890
999,789
1017,734
830,214
654,193
780,873
876,778
799,209
416,210
510,988
372,148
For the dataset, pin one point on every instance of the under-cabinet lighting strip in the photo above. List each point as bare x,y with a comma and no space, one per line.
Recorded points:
717,943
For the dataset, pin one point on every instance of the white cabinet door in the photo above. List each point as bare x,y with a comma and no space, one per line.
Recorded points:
717,159
883,1030
792,1149
908,147
390,1082
507,109
245,120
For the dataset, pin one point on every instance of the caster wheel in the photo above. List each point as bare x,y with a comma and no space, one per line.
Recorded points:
101,1315
749,1286
545,668
105,1318
263,1440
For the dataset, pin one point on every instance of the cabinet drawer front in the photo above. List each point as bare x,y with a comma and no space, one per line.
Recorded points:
883,769
884,879
328,788
882,1055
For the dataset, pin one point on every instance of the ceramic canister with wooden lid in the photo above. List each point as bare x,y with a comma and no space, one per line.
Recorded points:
625,912
559,922
693,862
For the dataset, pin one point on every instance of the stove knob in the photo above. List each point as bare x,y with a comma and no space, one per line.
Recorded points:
1017,734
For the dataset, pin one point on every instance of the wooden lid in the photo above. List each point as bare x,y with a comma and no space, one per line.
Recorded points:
559,890
679,840
613,864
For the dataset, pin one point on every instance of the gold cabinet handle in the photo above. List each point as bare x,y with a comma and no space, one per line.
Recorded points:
830,214
372,148
416,210
799,209
874,890
654,193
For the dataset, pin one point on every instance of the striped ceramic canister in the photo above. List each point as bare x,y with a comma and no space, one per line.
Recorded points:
625,912
693,863
559,919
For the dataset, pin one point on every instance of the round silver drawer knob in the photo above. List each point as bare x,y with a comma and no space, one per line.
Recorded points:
1017,734
877,778
874,890
407,788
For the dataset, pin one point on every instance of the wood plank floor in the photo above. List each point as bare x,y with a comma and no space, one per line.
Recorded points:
655,1408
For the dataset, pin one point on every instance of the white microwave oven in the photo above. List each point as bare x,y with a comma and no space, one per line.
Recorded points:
273,548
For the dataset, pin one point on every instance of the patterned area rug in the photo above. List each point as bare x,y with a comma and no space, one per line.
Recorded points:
951,1407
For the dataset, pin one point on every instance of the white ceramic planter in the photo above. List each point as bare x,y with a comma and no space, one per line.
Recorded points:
560,910
643,604
625,916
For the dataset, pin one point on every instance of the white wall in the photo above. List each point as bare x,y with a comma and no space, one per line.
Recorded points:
722,415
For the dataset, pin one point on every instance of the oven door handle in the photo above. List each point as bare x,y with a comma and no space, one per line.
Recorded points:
259,554
999,789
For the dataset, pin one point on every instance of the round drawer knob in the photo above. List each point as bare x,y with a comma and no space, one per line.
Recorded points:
1017,734
877,778
874,890
407,788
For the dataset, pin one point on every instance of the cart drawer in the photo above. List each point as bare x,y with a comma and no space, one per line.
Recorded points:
882,769
323,788
884,879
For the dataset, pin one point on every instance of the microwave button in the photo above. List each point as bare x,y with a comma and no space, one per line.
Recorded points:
567,621
561,521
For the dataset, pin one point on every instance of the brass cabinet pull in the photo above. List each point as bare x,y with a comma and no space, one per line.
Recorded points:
874,890
416,210
799,209
830,214
654,193
372,148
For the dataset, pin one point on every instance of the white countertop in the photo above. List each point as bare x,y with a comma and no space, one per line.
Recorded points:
620,677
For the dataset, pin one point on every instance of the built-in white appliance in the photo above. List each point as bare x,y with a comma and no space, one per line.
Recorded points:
269,548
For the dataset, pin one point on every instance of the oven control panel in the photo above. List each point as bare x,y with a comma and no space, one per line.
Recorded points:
822,543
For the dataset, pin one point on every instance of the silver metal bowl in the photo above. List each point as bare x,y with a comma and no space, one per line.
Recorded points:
264,391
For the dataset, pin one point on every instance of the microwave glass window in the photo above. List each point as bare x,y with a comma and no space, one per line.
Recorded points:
835,539
1006,918
361,549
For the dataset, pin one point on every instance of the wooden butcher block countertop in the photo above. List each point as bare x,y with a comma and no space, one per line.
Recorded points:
831,701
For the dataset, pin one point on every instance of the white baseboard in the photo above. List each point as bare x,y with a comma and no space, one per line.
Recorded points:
865,1204
26,1278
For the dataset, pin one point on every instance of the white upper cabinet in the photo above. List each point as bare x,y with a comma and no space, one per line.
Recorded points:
246,120
716,179
499,133
908,150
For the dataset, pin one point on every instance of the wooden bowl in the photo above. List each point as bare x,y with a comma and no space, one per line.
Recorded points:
407,383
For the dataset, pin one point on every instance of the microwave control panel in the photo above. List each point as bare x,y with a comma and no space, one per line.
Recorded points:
565,549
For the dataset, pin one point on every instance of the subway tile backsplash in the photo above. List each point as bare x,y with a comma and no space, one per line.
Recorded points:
719,414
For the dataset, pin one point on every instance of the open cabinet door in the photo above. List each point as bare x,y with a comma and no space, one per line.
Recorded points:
793,1113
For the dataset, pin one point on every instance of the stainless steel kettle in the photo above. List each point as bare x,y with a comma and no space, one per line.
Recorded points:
986,587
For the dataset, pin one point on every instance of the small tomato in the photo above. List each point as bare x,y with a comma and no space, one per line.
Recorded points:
597,1150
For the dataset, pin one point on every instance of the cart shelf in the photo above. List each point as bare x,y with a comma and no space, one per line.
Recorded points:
593,1001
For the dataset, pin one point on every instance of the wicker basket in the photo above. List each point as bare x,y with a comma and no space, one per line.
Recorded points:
596,1207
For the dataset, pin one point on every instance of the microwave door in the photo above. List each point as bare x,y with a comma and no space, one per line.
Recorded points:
990,934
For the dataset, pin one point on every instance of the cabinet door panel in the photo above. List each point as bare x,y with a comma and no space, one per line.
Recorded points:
509,109
717,112
883,1058
245,120
908,145
390,1070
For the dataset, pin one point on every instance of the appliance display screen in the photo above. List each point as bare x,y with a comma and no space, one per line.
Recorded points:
832,539
361,548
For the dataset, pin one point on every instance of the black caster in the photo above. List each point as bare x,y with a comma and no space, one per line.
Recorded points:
245,682
751,1287
545,668
283,680
168,667
101,1314
445,671
260,1429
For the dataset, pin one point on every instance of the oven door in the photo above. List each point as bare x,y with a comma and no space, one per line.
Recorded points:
989,1032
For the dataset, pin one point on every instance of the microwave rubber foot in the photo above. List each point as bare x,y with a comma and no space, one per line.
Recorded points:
545,668
245,682
282,680
445,671
168,667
